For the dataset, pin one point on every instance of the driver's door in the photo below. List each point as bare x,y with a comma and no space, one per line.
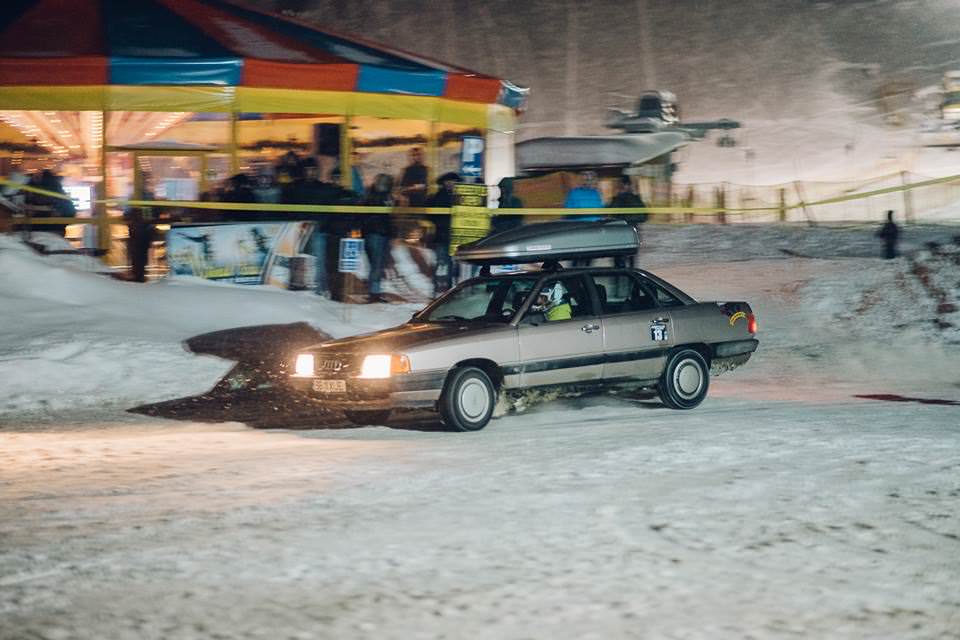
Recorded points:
562,351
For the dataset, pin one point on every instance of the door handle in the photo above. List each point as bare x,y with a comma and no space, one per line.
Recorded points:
590,328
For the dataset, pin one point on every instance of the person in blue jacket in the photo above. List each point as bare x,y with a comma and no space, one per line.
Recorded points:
585,196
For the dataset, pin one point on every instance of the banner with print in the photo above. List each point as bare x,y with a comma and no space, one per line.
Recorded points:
239,253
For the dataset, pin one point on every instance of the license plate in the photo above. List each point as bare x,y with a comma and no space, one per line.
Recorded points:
330,386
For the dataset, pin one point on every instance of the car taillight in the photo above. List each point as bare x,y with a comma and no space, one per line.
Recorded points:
752,323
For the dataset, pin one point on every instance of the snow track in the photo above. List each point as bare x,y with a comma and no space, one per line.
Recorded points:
811,495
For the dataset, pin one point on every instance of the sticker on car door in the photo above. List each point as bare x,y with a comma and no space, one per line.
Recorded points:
658,331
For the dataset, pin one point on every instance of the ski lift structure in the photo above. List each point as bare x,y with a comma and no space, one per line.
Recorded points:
648,135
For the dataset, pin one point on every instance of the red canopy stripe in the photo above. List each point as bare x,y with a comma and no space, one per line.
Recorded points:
81,70
475,88
291,75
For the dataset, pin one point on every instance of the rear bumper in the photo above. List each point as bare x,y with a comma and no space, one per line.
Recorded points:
735,348
730,355
417,390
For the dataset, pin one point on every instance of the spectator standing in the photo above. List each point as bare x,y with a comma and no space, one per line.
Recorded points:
443,276
585,196
625,198
889,233
139,231
266,190
239,189
376,234
308,189
356,176
288,168
507,201
413,182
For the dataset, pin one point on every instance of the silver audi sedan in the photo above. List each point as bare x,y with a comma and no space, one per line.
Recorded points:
492,340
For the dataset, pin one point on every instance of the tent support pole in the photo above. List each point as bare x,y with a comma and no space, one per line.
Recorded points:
103,223
234,143
346,152
433,155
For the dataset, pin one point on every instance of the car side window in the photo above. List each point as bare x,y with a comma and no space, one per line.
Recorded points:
620,293
560,299
665,298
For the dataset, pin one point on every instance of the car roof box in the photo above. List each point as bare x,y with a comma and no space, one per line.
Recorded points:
551,241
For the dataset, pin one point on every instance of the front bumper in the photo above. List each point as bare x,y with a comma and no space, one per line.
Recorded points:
414,390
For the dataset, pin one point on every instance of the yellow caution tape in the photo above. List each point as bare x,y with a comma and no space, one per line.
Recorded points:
251,207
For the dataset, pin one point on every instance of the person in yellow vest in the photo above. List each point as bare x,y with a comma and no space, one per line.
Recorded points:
552,304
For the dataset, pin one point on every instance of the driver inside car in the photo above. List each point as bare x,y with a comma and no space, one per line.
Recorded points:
551,303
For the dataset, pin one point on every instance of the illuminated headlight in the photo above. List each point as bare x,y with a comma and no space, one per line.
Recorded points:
377,366
304,365
383,365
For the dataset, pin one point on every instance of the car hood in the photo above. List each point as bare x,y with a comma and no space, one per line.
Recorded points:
408,335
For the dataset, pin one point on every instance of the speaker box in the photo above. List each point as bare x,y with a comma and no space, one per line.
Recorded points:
326,139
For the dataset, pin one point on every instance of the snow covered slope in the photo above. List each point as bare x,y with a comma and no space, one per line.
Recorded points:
72,339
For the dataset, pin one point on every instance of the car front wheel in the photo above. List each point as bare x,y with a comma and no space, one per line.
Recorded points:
468,399
685,380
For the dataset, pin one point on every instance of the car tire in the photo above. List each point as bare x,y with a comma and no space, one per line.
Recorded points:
364,417
685,379
468,399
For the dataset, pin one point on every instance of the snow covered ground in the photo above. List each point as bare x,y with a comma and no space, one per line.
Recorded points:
814,494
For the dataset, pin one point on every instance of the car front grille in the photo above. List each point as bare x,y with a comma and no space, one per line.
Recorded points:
334,365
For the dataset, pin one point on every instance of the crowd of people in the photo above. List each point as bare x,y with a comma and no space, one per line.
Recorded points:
301,180
296,179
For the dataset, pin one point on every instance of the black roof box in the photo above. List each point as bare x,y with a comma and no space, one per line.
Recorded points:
555,240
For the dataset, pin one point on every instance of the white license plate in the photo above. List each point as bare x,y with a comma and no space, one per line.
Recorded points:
330,386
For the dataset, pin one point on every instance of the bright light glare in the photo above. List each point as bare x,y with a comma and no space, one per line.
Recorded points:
376,366
304,365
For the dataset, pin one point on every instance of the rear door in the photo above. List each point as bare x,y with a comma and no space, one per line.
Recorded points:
562,351
637,330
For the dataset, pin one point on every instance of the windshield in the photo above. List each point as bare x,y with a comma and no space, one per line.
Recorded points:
488,300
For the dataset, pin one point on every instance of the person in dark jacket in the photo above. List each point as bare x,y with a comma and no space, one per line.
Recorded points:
443,273
309,189
140,231
376,233
889,233
413,182
507,201
626,197
240,189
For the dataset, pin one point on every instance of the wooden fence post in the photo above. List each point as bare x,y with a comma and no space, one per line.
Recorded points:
783,204
907,198
721,202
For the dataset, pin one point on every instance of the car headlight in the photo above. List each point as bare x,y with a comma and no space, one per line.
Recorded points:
304,365
383,366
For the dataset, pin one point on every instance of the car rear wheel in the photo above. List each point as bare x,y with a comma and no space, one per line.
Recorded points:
685,380
468,399
367,416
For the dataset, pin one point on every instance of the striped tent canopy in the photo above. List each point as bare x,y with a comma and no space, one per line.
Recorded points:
215,56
